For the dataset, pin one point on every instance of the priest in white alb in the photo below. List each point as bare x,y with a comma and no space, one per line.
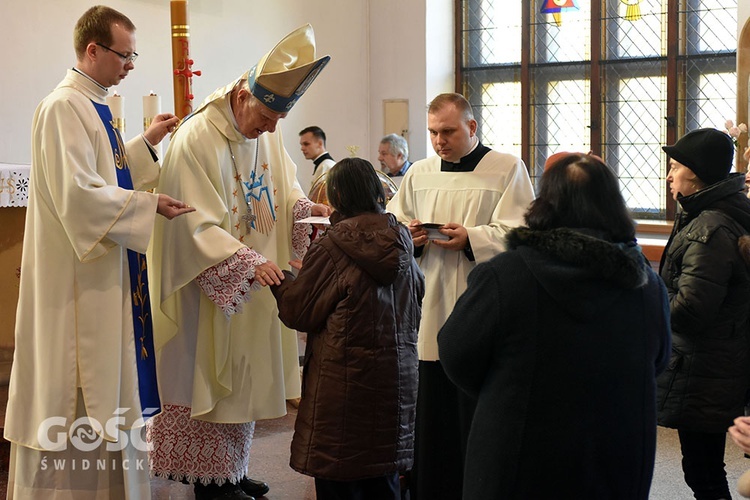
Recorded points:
83,376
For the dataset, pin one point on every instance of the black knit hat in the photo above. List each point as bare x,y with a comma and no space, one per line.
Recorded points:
707,152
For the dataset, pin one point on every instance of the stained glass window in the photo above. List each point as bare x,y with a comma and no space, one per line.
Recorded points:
605,79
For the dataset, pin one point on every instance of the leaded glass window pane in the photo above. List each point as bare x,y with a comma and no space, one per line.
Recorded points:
500,117
713,26
627,120
643,37
570,41
713,107
496,34
637,138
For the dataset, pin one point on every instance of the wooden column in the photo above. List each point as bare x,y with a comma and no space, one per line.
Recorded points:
743,74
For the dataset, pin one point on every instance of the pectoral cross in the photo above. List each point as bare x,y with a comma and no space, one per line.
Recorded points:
249,217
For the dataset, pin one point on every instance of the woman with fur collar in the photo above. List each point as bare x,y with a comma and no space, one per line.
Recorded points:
560,340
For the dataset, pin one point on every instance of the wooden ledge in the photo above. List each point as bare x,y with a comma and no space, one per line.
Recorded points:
652,237
654,227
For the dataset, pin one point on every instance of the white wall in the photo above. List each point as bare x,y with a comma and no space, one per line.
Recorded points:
378,51
401,30
395,74
440,58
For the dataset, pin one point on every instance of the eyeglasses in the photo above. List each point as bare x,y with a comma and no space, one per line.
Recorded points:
128,59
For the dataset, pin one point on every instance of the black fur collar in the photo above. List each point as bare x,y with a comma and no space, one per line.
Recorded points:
621,263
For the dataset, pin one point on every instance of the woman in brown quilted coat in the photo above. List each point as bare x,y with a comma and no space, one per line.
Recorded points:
358,295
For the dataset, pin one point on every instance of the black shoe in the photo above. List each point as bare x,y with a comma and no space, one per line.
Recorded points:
226,491
253,487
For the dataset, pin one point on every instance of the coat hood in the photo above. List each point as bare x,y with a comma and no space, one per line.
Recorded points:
382,249
576,267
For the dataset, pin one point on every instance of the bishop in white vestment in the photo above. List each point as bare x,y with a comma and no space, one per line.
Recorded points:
224,357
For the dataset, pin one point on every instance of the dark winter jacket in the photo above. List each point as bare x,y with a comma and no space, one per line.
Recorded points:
359,298
705,268
561,339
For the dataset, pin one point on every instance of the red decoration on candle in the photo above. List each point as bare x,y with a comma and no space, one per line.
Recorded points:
183,72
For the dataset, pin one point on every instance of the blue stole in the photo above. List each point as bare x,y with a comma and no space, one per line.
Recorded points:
143,329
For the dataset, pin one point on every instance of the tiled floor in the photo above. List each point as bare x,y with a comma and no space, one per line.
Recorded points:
269,461
270,457
668,483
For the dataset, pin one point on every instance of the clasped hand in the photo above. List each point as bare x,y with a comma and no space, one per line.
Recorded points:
459,237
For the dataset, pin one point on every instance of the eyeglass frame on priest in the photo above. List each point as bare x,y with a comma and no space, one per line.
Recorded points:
128,59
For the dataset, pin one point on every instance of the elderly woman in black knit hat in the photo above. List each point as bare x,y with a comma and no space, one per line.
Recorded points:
705,269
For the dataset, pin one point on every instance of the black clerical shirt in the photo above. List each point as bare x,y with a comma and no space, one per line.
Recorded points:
467,163
317,161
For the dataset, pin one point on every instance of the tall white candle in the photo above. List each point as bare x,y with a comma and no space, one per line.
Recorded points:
116,104
151,108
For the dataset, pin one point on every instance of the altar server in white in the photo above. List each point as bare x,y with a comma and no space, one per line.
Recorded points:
224,356
84,345
476,195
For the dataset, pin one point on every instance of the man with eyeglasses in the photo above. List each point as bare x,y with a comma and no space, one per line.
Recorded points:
83,378
126,58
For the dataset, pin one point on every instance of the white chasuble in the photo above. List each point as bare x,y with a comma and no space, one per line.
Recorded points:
75,347
242,367
74,324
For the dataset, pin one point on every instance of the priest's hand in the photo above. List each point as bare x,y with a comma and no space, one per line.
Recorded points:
296,264
418,233
171,208
268,273
458,235
161,125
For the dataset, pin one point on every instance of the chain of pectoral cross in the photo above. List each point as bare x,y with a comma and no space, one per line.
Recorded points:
248,217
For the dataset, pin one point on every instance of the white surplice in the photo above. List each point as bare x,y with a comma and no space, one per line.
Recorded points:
487,201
